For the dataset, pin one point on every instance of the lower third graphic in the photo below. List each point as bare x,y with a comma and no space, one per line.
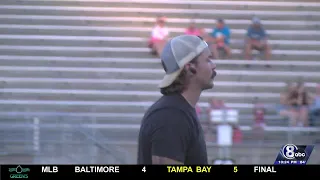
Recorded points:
291,154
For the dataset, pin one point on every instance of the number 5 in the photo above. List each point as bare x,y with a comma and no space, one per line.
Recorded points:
235,169
144,169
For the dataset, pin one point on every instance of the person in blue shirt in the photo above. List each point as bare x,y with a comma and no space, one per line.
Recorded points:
256,39
220,39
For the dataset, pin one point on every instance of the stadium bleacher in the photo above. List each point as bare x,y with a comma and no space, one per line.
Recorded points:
87,61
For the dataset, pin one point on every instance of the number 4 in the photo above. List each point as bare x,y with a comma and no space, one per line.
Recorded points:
144,169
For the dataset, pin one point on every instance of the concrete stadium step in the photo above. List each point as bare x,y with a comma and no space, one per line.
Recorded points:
47,19
100,98
72,108
153,12
112,118
246,5
245,118
103,42
127,52
225,14
243,121
99,106
233,24
287,1
134,76
148,22
136,85
64,61
215,6
251,2
96,30
100,73
14,82
47,118
126,95
236,33
154,63
127,86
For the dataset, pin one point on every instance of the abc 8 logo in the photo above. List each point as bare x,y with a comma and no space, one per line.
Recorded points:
291,151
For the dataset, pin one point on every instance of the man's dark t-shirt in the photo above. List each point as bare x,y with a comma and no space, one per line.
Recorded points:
171,129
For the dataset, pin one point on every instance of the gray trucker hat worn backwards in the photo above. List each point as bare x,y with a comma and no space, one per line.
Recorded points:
178,52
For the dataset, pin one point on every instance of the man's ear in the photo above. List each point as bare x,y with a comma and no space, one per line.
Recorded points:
191,68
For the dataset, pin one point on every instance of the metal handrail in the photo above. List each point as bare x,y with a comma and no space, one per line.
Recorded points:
32,144
110,148
118,153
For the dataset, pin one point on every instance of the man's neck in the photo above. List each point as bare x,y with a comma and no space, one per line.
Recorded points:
192,96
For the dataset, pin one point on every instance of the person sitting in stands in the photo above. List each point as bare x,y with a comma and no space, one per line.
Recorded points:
293,105
289,103
259,121
159,36
193,30
315,107
256,39
259,112
214,104
220,39
304,100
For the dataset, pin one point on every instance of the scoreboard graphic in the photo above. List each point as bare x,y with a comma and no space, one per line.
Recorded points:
291,154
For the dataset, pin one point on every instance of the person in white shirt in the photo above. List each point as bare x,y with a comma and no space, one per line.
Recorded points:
159,36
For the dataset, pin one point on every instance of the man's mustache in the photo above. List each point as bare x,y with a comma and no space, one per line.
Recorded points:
214,73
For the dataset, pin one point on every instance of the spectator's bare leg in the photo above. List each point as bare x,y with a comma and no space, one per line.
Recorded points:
303,116
215,52
267,52
248,51
159,47
153,49
228,51
292,115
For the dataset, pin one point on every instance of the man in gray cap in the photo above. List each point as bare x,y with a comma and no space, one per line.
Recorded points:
256,39
170,131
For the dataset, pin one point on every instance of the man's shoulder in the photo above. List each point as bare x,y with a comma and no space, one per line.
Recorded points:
165,111
167,107
166,115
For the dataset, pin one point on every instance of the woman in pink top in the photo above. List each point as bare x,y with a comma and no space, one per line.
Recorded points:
193,30
159,36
